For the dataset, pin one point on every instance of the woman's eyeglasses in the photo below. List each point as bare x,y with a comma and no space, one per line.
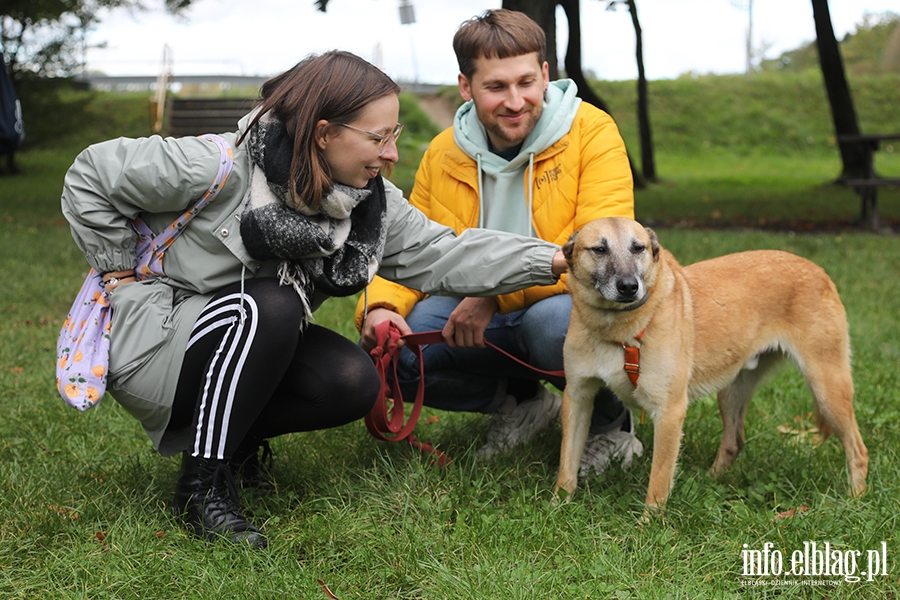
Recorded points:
383,140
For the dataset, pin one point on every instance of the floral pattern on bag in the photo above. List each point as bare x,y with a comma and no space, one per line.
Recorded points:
82,349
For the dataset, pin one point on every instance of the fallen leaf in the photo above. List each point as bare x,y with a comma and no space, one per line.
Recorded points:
788,430
789,514
327,591
801,434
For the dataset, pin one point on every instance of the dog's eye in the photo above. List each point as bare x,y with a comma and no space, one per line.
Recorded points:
638,248
599,250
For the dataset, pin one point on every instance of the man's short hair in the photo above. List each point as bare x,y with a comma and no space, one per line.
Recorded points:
497,33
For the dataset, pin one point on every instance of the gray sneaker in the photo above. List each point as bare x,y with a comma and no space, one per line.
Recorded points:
516,424
603,448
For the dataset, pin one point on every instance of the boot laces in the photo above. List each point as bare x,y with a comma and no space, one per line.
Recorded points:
223,499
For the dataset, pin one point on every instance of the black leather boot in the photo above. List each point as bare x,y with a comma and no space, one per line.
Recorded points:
250,470
206,498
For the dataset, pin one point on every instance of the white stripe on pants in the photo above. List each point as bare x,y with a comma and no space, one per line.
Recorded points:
239,317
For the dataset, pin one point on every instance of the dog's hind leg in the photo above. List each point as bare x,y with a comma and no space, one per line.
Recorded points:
733,401
832,388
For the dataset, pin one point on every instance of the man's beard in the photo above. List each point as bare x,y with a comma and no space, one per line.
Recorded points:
517,135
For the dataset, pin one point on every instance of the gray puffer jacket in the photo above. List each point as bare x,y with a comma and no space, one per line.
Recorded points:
157,178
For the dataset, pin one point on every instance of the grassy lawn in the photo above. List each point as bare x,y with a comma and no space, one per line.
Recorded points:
84,508
780,192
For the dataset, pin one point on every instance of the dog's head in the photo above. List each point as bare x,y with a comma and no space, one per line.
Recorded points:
615,256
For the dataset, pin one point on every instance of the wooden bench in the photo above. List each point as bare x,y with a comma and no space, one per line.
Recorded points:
196,116
867,187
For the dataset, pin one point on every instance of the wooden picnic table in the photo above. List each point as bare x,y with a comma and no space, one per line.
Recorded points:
867,187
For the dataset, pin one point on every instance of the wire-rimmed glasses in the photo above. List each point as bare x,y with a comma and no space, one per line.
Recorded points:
383,140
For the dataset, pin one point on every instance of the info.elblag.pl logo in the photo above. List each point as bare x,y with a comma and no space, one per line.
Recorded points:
816,560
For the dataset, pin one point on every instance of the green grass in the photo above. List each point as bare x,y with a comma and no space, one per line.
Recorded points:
84,498
785,192
771,112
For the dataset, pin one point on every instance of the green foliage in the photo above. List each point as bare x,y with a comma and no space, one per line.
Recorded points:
770,113
57,113
418,130
85,117
873,48
45,37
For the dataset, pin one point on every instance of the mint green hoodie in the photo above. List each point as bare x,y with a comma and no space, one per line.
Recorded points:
505,204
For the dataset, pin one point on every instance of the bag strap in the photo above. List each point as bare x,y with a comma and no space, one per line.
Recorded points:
383,420
150,247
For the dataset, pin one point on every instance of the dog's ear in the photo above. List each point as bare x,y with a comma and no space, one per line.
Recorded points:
654,243
569,246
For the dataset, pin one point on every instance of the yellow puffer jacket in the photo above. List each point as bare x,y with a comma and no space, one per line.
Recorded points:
582,177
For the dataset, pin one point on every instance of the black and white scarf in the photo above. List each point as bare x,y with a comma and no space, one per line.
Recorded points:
334,251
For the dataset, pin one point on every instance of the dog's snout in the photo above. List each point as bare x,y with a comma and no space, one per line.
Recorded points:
627,287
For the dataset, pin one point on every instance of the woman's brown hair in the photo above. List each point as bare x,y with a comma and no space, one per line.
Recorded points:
335,86
498,33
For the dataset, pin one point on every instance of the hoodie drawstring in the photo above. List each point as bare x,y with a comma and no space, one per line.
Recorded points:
480,191
530,192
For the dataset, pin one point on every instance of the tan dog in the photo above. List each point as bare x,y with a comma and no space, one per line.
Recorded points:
716,326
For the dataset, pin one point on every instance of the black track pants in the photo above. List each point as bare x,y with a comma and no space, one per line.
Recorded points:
261,376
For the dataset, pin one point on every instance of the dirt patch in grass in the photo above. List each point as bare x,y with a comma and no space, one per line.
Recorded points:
885,227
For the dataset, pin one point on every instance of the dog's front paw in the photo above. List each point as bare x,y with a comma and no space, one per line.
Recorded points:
561,496
649,514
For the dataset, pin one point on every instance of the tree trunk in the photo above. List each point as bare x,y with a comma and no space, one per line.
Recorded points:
648,164
576,74
542,12
839,98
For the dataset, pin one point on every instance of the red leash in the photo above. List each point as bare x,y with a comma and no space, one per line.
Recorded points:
386,423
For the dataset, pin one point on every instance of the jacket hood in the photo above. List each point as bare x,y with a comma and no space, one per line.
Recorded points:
244,122
560,105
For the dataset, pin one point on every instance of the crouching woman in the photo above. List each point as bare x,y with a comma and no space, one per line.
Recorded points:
213,350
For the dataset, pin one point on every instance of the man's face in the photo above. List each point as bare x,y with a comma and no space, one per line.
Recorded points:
508,95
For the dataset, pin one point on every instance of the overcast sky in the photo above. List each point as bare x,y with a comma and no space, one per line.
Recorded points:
266,37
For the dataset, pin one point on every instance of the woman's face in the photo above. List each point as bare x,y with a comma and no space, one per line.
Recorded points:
352,154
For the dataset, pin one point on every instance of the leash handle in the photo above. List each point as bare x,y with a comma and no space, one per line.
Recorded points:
382,420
